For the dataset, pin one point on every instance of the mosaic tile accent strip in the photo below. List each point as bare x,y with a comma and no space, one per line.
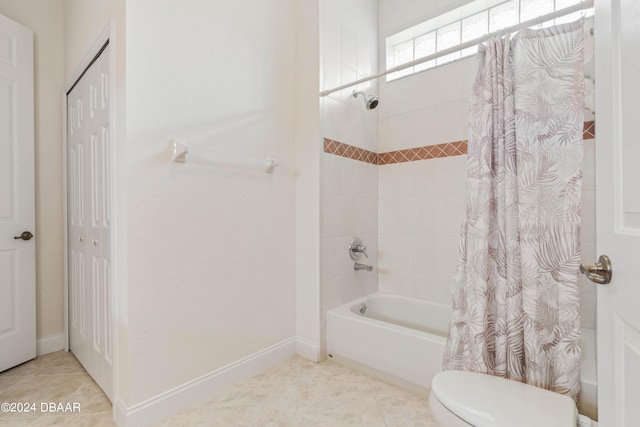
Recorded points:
448,149
589,130
349,151
423,153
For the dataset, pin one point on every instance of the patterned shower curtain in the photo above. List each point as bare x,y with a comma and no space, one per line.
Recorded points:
515,294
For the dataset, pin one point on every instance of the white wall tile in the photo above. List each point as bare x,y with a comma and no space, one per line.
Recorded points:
398,283
425,126
452,119
336,260
588,310
331,179
446,256
402,128
332,292
424,178
451,175
366,217
359,179
349,187
397,217
395,181
426,217
384,133
449,214
331,73
399,97
333,216
424,253
589,166
432,287
394,255
349,46
588,220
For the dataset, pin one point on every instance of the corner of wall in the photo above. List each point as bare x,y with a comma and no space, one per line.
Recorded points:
307,166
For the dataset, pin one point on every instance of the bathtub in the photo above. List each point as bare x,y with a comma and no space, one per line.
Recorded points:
402,339
397,336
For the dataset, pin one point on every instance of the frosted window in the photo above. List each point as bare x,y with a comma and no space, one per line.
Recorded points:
425,45
531,9
403,53
561,4
465,25
474,27
448,36
569,18
503,16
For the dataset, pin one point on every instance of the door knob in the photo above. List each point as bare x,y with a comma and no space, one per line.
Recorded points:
600,272
25,235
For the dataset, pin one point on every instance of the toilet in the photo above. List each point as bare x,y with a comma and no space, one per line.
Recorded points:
462,399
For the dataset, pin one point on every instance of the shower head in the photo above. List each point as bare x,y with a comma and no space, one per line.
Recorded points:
370,101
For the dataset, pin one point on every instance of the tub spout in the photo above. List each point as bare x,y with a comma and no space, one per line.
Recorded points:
357,266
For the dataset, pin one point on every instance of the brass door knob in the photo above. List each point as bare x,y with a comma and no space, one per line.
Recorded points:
25,235
600,272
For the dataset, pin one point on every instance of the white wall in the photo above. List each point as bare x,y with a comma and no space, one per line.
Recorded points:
348,43
211,251
308,152
44,18
421,203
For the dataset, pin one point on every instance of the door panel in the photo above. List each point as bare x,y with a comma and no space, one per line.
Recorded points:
618,209
88,229
17,206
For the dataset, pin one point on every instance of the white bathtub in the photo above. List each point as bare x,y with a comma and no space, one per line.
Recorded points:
403,339
398,336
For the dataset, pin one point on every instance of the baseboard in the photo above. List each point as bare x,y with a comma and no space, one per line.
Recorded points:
193,392
308,349
49,344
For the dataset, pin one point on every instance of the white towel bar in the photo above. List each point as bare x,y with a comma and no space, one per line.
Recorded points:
179,151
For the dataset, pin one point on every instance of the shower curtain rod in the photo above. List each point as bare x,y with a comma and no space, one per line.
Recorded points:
587,4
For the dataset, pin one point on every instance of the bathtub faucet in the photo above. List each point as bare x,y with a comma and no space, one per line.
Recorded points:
357,266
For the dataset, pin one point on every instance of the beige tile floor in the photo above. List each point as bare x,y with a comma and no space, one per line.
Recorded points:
56,378
294,393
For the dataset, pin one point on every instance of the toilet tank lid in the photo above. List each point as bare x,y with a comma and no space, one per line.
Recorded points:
485,400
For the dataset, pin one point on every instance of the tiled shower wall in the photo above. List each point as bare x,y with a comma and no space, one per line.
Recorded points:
349,188
421,203
408,213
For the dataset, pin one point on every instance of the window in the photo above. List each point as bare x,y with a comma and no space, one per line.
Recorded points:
469,22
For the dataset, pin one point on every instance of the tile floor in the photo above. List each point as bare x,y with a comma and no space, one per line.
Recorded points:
59,378
295,393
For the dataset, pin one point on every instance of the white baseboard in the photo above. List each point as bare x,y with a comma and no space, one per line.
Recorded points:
193,392
49,344
308,349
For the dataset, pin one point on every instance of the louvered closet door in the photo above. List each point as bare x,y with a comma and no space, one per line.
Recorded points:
89,221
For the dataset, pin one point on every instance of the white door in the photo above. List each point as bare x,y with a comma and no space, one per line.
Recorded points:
89,222
617,38
17,206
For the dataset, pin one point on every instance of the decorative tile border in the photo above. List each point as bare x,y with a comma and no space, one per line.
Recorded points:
423,153
589,131
349,151
448,149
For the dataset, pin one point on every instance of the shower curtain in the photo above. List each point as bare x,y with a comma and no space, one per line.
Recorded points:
515,293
